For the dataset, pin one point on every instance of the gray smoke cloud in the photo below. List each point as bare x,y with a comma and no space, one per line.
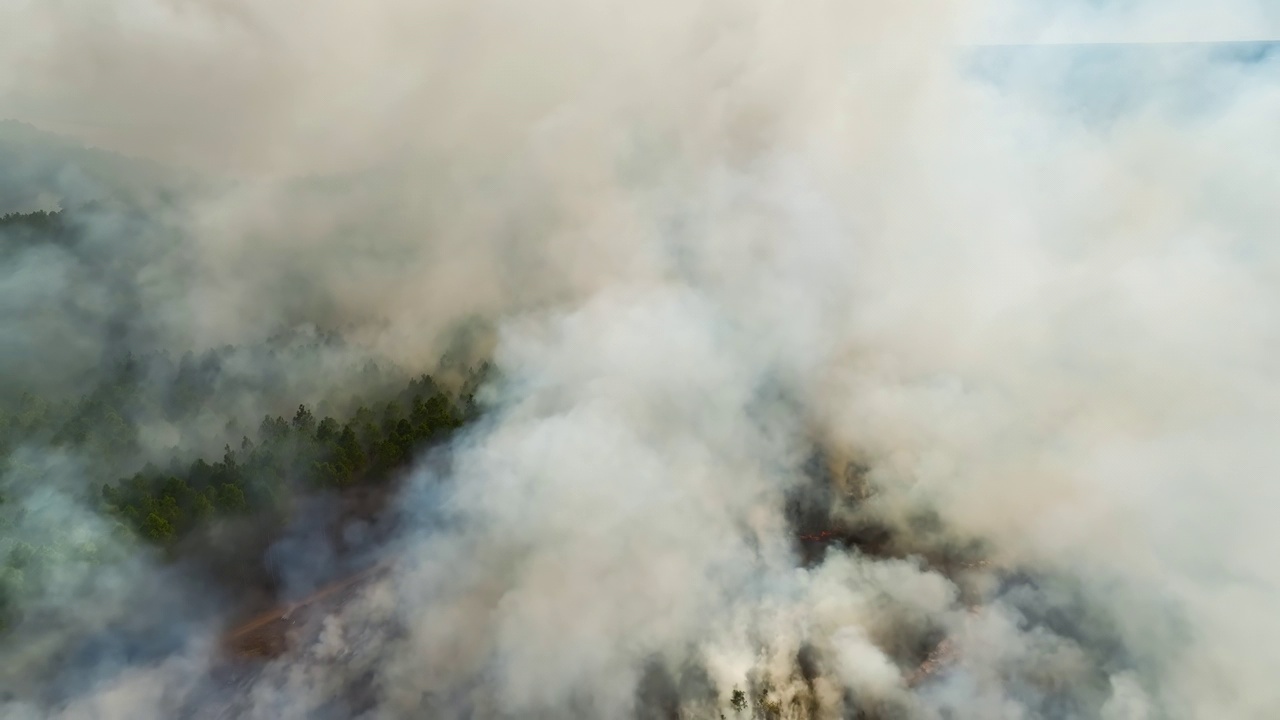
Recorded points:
1030,290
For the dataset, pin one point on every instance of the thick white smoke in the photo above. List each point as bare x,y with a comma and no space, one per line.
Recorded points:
1032,290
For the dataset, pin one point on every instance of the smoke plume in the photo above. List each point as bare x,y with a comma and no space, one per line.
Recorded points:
853,359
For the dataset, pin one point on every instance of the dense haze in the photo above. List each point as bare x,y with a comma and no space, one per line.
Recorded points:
996,309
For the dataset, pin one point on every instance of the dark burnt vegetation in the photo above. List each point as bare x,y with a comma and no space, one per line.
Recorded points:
833,506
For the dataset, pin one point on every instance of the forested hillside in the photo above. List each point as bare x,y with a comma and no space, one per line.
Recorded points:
141,444
274,465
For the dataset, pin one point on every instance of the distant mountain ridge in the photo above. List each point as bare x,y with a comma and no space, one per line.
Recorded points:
41,170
